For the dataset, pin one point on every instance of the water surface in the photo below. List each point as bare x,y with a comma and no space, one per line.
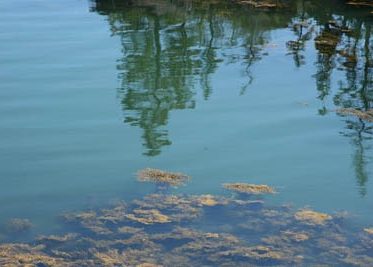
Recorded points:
91,92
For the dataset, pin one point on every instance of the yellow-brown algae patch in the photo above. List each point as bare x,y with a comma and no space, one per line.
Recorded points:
25,255
212,235
128,257
150,216
364,115
159,176
312,217
181,208
369,230
113,215
89,221
207,200
249,188
111,258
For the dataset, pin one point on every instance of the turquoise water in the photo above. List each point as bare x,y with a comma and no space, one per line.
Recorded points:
91,92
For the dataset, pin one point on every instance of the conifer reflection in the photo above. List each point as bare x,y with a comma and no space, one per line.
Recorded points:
344,45
171,48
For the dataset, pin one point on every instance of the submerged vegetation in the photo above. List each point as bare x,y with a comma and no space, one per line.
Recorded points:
194,230
312,217
18,225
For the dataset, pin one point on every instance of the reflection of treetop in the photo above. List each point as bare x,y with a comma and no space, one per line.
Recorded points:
169,49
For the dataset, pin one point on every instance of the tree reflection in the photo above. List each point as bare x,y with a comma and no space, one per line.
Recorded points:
345,43
170,48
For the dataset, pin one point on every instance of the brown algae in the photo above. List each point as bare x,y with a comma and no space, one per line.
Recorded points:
249,188
364,115
163,177
312,217
145,216
171,230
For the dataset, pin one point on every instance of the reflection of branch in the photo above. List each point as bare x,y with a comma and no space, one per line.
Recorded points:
249,82
359,162
209,54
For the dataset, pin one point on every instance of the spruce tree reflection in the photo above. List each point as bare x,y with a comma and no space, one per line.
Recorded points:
357,92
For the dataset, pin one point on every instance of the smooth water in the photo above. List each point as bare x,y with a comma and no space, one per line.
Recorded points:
91,92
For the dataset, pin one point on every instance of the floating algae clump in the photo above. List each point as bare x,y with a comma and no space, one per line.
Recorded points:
208,200
312,217
163,177
249,188
364,115
151,216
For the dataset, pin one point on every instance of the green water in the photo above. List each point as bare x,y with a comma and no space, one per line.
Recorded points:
91,92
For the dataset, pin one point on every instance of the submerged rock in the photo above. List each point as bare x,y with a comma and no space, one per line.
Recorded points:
163,177
312,217
249,188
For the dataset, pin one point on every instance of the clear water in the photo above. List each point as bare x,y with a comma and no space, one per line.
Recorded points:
91,92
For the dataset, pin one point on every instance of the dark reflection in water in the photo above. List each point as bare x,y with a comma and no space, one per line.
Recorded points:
170,48
348,49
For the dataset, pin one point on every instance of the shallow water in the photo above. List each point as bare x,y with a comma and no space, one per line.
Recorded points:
91,92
